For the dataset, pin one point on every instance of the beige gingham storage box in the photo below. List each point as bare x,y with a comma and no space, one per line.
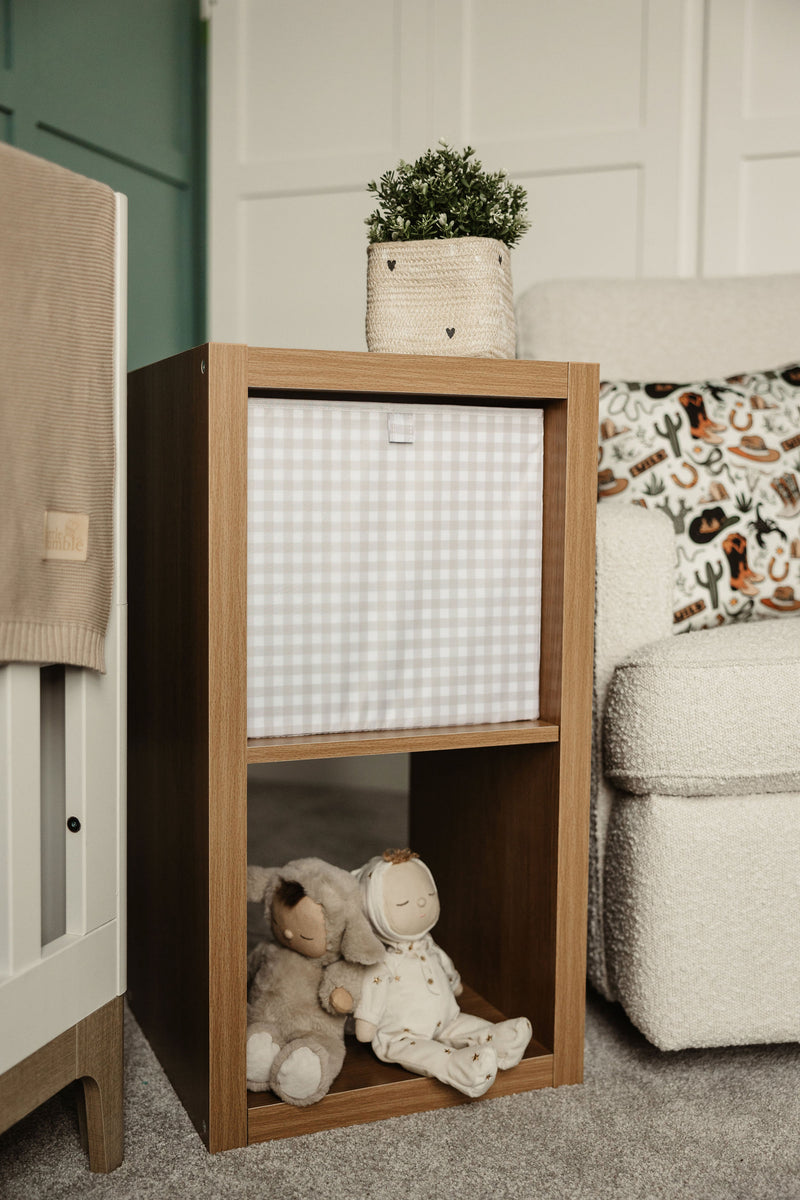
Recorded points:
394,565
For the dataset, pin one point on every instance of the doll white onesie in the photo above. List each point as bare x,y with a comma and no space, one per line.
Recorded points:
410,999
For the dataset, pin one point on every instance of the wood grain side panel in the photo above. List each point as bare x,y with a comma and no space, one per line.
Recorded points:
576,718
168,735
554,496
227,763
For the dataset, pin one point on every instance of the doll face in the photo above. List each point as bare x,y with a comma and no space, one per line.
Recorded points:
410,901
301,928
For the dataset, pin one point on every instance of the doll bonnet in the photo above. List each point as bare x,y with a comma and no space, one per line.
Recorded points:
371,878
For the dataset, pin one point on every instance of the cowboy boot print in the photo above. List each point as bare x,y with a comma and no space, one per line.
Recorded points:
701,425
742,578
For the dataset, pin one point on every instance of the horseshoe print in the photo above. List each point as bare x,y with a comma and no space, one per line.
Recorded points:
692,479
772,574
741,428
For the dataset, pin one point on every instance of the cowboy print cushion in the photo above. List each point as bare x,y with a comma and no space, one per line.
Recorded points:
722,459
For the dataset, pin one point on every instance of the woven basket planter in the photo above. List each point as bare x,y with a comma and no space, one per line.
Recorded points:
442,296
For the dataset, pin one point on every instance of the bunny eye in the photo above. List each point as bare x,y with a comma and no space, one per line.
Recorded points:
401,904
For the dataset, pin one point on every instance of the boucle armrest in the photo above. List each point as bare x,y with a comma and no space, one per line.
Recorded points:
633,606
635,568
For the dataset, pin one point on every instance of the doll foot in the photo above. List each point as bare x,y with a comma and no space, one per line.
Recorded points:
299,1075
472,1070
509,1039
261,1052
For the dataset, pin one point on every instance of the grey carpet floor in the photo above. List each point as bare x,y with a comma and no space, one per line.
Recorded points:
696,1125
700,1125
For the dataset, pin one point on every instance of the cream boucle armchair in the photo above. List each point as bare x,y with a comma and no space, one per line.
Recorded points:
694,891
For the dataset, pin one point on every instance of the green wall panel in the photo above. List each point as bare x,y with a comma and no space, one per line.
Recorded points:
115,89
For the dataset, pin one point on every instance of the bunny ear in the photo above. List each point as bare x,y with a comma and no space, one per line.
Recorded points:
260,880
359,943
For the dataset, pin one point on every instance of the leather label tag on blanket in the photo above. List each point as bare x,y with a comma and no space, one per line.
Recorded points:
66,536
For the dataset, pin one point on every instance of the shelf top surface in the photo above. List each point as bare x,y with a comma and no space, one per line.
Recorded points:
399,741
391,374
362,1070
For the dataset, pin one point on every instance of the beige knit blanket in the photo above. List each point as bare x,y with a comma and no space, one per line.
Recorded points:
56,414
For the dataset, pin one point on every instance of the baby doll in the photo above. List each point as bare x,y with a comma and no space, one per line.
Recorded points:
301,988
408,1009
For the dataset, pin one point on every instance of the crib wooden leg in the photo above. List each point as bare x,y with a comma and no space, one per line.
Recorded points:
99,1056
90,1051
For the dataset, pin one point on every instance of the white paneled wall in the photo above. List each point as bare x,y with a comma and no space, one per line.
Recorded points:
752,159
654,137
583,102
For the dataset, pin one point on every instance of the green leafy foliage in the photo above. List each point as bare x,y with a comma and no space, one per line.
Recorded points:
447,193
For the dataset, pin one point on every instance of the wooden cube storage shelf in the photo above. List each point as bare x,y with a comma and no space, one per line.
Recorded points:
500,812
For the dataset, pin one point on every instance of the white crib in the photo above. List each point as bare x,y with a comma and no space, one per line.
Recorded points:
62,853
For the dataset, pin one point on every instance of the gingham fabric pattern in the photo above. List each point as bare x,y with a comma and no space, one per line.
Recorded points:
394,565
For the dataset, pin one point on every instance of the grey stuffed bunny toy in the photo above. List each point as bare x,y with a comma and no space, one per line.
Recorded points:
301,988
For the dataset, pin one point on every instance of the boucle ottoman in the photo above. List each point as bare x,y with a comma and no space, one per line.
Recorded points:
702,739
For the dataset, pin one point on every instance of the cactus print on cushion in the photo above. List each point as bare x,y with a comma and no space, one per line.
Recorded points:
722,459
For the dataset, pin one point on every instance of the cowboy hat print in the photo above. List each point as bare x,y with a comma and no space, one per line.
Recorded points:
782,600
608,484
710,522
755,449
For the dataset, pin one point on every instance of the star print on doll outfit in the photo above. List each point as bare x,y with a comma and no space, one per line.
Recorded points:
408,1005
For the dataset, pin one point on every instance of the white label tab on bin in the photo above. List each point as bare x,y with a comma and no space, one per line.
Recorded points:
401,427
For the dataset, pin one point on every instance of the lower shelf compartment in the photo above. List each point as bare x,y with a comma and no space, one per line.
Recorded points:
369,1090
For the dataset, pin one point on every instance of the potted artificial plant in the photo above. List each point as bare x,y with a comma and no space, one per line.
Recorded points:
438,262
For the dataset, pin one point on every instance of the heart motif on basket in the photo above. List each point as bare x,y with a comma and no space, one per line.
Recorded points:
449,332
391,263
